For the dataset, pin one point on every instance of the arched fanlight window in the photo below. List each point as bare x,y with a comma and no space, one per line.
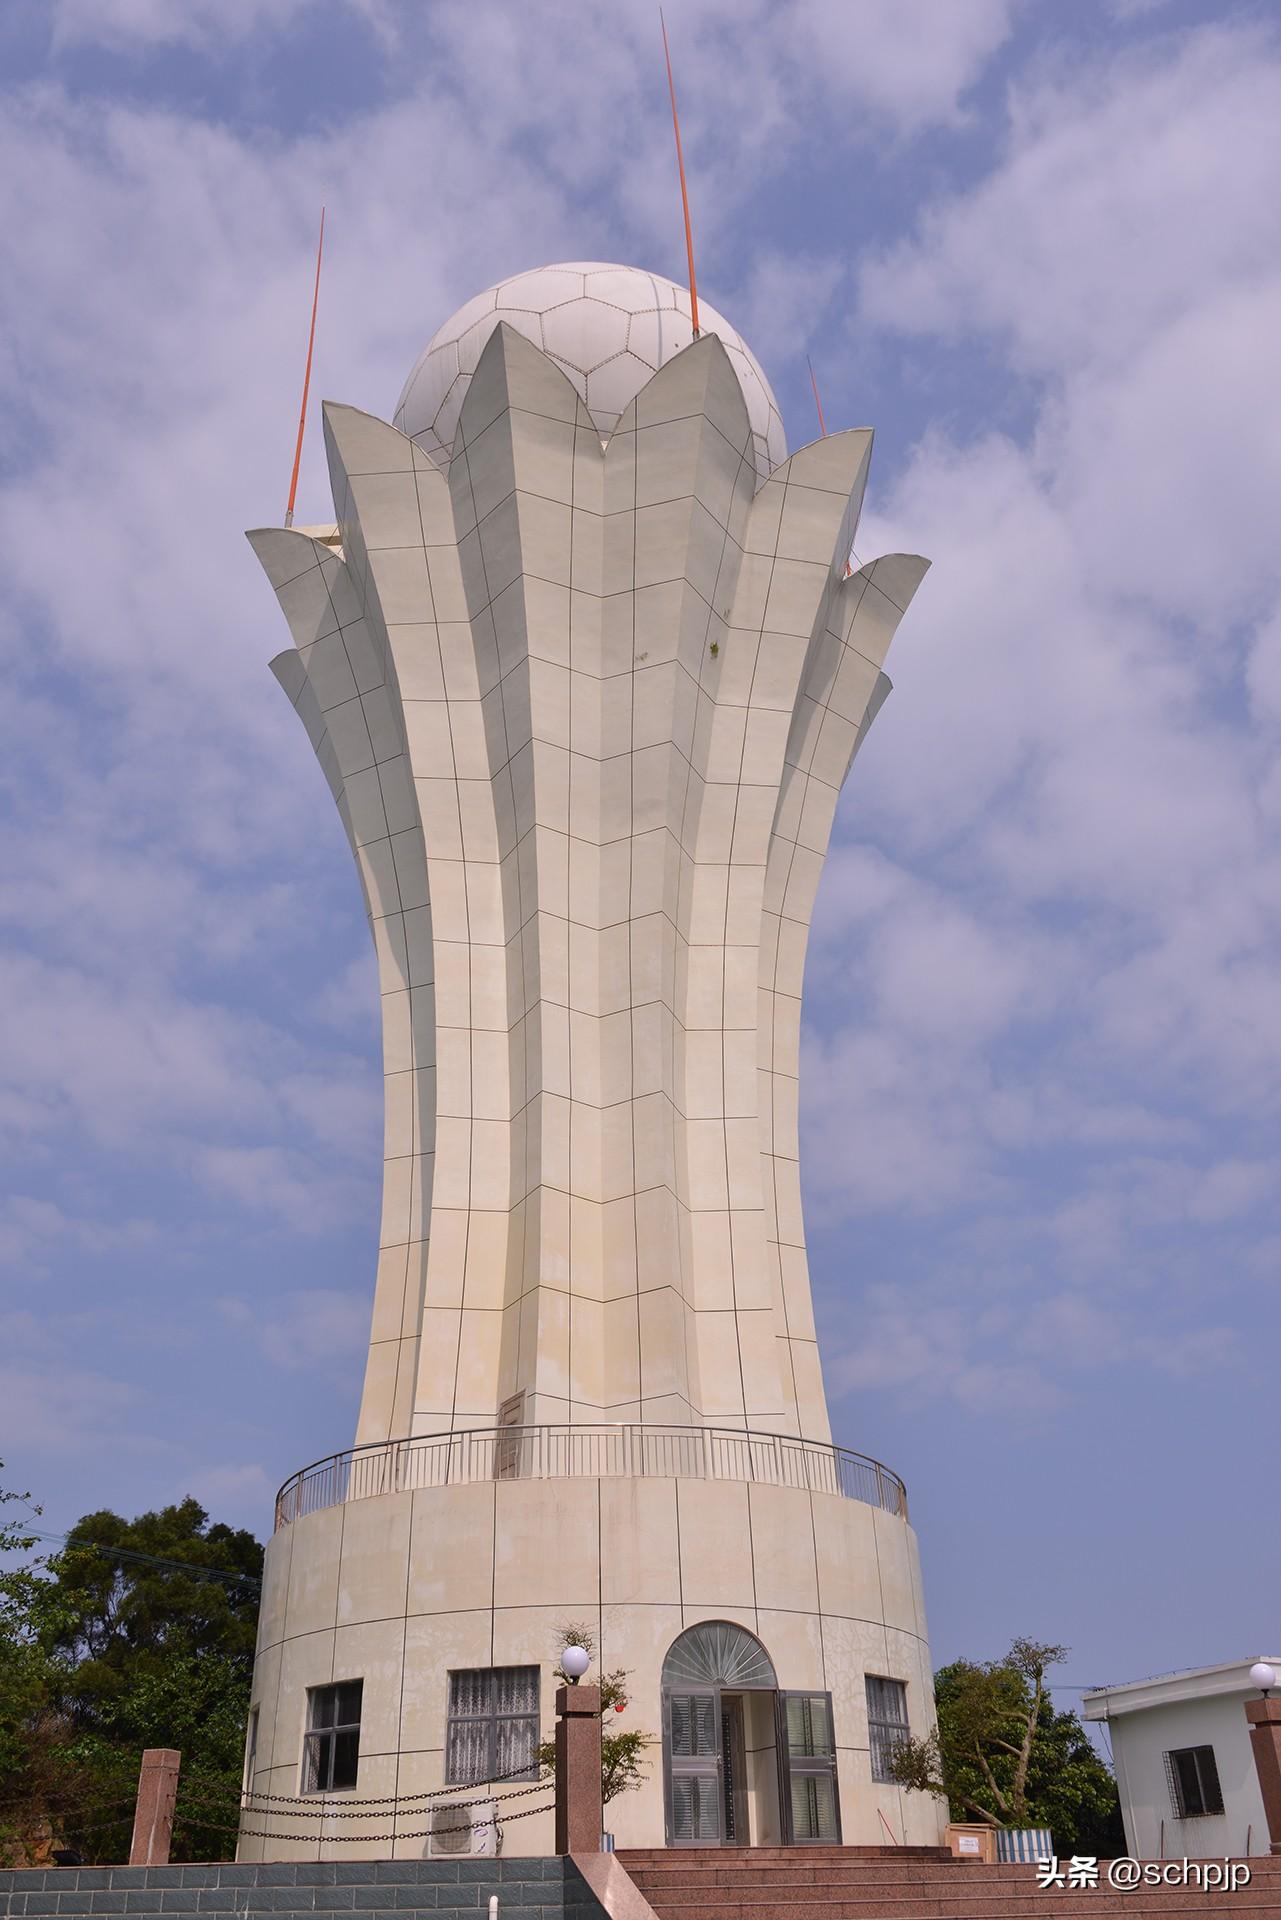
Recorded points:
716,1653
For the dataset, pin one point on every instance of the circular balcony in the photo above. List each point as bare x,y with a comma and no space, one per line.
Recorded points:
589,1453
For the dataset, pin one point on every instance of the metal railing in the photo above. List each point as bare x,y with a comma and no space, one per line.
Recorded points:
582,1452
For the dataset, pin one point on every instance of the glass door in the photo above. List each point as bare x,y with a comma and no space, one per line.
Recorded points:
695,1787
807,1769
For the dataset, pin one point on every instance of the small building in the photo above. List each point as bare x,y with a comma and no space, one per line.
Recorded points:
1184,1765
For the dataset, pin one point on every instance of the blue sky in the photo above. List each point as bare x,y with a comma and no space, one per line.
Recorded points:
1037,247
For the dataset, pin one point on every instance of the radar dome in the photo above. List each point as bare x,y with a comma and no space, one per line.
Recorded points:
609,328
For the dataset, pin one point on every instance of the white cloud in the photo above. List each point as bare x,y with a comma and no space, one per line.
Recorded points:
60,1408
1132,191
208,25
306,1329
1064,1043
235,1495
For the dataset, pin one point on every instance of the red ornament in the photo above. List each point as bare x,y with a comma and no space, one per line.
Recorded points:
619,1705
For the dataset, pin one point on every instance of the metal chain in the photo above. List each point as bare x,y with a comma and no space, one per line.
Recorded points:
336,1813
417,1833
389,1799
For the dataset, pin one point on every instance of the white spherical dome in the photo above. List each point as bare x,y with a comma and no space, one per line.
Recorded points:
609,328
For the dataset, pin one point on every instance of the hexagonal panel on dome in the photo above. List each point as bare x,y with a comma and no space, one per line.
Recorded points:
543,288
629,289
610,328
611,387
657,335
584,334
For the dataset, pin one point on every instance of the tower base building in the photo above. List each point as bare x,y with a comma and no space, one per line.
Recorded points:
585,667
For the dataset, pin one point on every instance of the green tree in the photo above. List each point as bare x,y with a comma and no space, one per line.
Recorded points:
1002,1754
622,1754
140,1633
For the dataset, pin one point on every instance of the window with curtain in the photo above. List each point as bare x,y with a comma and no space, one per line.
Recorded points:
887,1727
493,1725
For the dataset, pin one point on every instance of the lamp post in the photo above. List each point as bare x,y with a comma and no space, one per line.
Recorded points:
1264,1717
579,1811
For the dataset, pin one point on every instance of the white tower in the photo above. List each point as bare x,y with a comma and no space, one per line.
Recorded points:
585,671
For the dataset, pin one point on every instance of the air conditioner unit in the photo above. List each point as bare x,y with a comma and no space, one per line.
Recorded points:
464,1826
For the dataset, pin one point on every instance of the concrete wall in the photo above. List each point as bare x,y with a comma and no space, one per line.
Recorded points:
550,1889
400,1588
1140,1742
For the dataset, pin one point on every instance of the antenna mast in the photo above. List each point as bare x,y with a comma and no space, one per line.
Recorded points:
680,164
822,424
306,379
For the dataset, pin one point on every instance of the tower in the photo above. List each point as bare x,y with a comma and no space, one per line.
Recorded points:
585,670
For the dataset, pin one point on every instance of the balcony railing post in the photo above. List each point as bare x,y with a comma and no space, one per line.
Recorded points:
553,1452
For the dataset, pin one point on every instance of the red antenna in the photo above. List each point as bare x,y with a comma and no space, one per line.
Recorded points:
822,424
680,163
306,379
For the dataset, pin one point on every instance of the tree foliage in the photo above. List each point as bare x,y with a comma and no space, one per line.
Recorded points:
139,1633
622,1754
1002,1754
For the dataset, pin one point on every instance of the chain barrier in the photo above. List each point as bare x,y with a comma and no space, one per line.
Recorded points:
387,1799
408,1802
417,1833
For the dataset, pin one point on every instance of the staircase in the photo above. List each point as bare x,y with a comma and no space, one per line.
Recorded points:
907,1883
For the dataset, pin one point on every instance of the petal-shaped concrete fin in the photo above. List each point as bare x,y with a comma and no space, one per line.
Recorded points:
874,600
513,372
698,380
358,442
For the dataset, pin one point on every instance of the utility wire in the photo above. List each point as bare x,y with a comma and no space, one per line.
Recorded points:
151,1560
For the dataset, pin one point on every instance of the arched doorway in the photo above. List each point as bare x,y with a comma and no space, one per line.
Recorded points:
744,1764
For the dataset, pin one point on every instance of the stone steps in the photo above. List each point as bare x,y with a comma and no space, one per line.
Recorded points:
844,1883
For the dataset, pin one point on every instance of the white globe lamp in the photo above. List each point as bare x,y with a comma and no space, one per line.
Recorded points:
1263,1676
574,1662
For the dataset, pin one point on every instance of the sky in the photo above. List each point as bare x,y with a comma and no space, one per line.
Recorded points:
1038,247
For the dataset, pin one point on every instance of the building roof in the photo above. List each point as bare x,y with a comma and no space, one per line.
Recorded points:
1170,1689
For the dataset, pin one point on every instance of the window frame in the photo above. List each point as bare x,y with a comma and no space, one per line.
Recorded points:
1208,1784
885,1737
492,1720
320,1740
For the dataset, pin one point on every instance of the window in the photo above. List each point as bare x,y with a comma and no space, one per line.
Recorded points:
493,1725
332,1746
887,1727
1194,1782
716,1653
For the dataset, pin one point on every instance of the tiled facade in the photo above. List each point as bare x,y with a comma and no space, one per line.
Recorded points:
586,707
